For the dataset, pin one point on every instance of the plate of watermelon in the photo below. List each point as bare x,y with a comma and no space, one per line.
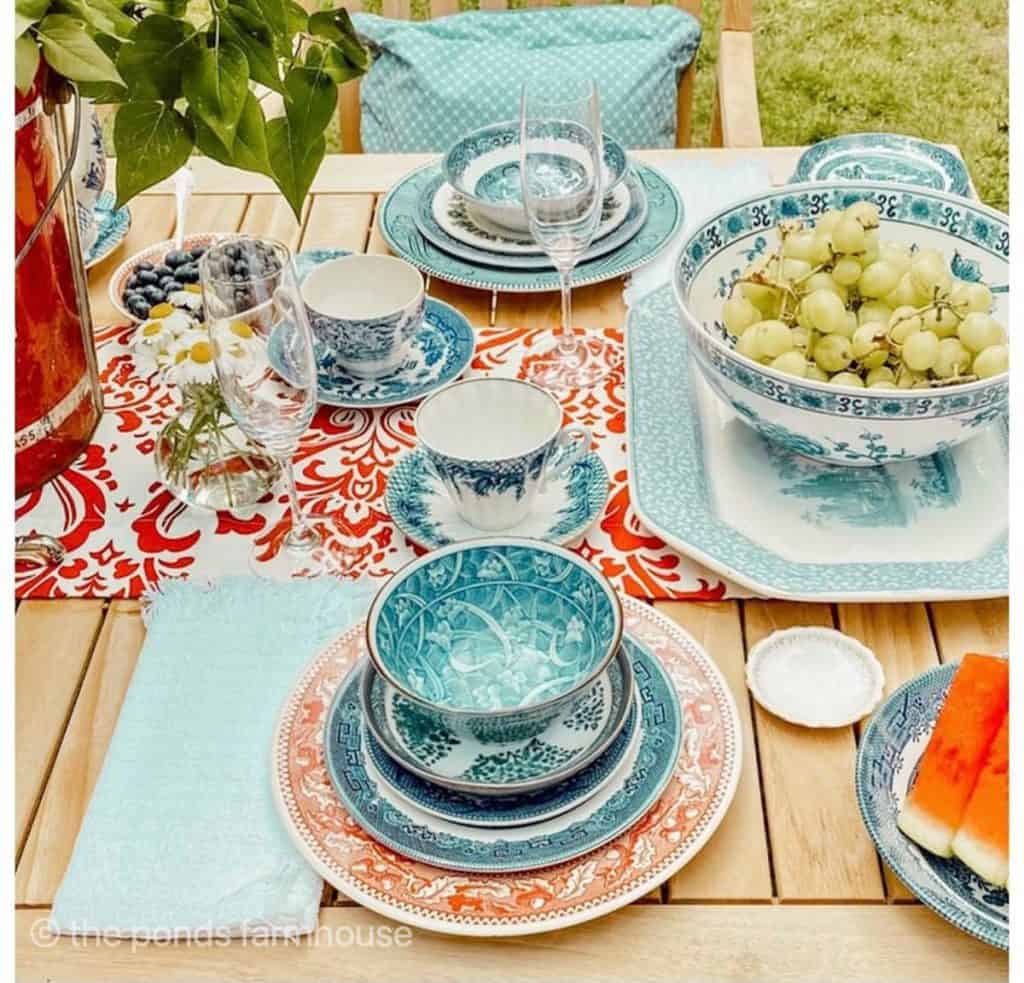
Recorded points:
933,788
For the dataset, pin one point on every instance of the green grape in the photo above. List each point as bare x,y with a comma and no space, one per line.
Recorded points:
903,322
929,274
821,248
828,221
905,294
878,279
794,269
802,337
824,281
846,271
867,339
833,353
905,379
765,299
920,351
979,298
747,345
871,246
953,359
881,377
896,255
799,245
873,310
847,379
816,373
792,363
826,311
865,212
979,331
738,313
773,338
994,360
850,326
940,320
848,236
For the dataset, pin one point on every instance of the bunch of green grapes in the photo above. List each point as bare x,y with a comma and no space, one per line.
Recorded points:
836,303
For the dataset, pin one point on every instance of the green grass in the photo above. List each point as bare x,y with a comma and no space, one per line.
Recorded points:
936,69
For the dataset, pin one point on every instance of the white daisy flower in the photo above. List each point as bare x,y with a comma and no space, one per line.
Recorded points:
189,298
155,337
191,359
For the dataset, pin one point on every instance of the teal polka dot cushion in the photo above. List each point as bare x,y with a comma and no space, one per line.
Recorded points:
434,81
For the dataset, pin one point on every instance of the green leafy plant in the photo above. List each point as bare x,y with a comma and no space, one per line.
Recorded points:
182,74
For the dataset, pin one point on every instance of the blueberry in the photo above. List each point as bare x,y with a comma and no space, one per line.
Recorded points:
175,258
162,271
133,282
147,277
197,251
139,307
168,284
143,265
241,268
154,294
189,273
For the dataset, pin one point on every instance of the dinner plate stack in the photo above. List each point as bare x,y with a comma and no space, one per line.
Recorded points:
606,754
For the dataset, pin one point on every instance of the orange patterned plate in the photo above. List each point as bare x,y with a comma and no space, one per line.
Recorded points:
665,839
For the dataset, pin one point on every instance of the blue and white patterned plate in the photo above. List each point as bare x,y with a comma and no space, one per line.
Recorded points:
422,508
398,226
112,225
786,526
416,834
630,218
511,810
887,759
884,157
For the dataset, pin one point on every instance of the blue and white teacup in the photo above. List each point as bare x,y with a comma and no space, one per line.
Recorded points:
364,311
494,443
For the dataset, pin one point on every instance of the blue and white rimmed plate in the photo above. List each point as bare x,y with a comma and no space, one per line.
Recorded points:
398,226
884,157
112,225
783,525
512,810
565,508
444,218
490,767
890,749
413,833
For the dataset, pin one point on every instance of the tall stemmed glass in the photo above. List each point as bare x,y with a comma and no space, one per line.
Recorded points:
265,362
561,167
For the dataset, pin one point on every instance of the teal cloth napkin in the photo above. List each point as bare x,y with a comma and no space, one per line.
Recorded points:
182,834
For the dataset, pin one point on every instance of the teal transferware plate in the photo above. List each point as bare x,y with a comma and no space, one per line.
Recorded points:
112,225
787,526
884,157
565,508
399,228
416,834
887,759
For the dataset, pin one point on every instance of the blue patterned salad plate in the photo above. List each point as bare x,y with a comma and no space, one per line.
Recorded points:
494,638
112,225
410,831
571,752
784,525
564,509
398,226
884,157
441,351
887,759
433,229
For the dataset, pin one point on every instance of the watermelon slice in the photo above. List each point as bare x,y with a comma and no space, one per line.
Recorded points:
976,703
983,839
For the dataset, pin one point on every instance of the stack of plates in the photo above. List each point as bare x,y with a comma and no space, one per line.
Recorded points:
510,837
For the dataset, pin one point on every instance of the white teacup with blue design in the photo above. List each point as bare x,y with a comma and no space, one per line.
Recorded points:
493,443
364,311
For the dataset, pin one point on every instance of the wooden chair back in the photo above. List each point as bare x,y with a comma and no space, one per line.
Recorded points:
736,15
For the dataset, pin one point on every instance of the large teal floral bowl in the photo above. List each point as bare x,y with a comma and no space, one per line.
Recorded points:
484,168
840,424
494,637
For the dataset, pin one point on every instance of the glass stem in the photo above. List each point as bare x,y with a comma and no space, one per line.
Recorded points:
566,338
300,536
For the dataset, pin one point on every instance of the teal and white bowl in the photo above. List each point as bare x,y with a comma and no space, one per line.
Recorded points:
841,424
484,167
494,637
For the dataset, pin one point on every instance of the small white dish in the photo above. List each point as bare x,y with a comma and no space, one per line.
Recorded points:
815,677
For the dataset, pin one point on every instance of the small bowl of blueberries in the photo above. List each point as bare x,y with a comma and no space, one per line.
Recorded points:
161,274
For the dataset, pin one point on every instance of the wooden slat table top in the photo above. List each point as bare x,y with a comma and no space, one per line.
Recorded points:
789,888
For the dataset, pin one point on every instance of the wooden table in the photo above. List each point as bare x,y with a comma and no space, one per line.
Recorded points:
789,888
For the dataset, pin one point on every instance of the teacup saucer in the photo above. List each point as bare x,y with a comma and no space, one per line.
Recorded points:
570,743
441,351
425,513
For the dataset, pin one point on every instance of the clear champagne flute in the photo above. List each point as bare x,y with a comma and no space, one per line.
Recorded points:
561,158
266,366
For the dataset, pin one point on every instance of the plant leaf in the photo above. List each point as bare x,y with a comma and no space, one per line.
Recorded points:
215,82
103,93
337,26
250,149
70,50
252,35
172,8
310,101
294,162
26,61
102,15
150,62
27,13
333,62
152,141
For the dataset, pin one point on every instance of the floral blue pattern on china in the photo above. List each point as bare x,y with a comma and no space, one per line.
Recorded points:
884,157
112,226
886,763
836,423
683,450
400,231
496,626
585,828
422,509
